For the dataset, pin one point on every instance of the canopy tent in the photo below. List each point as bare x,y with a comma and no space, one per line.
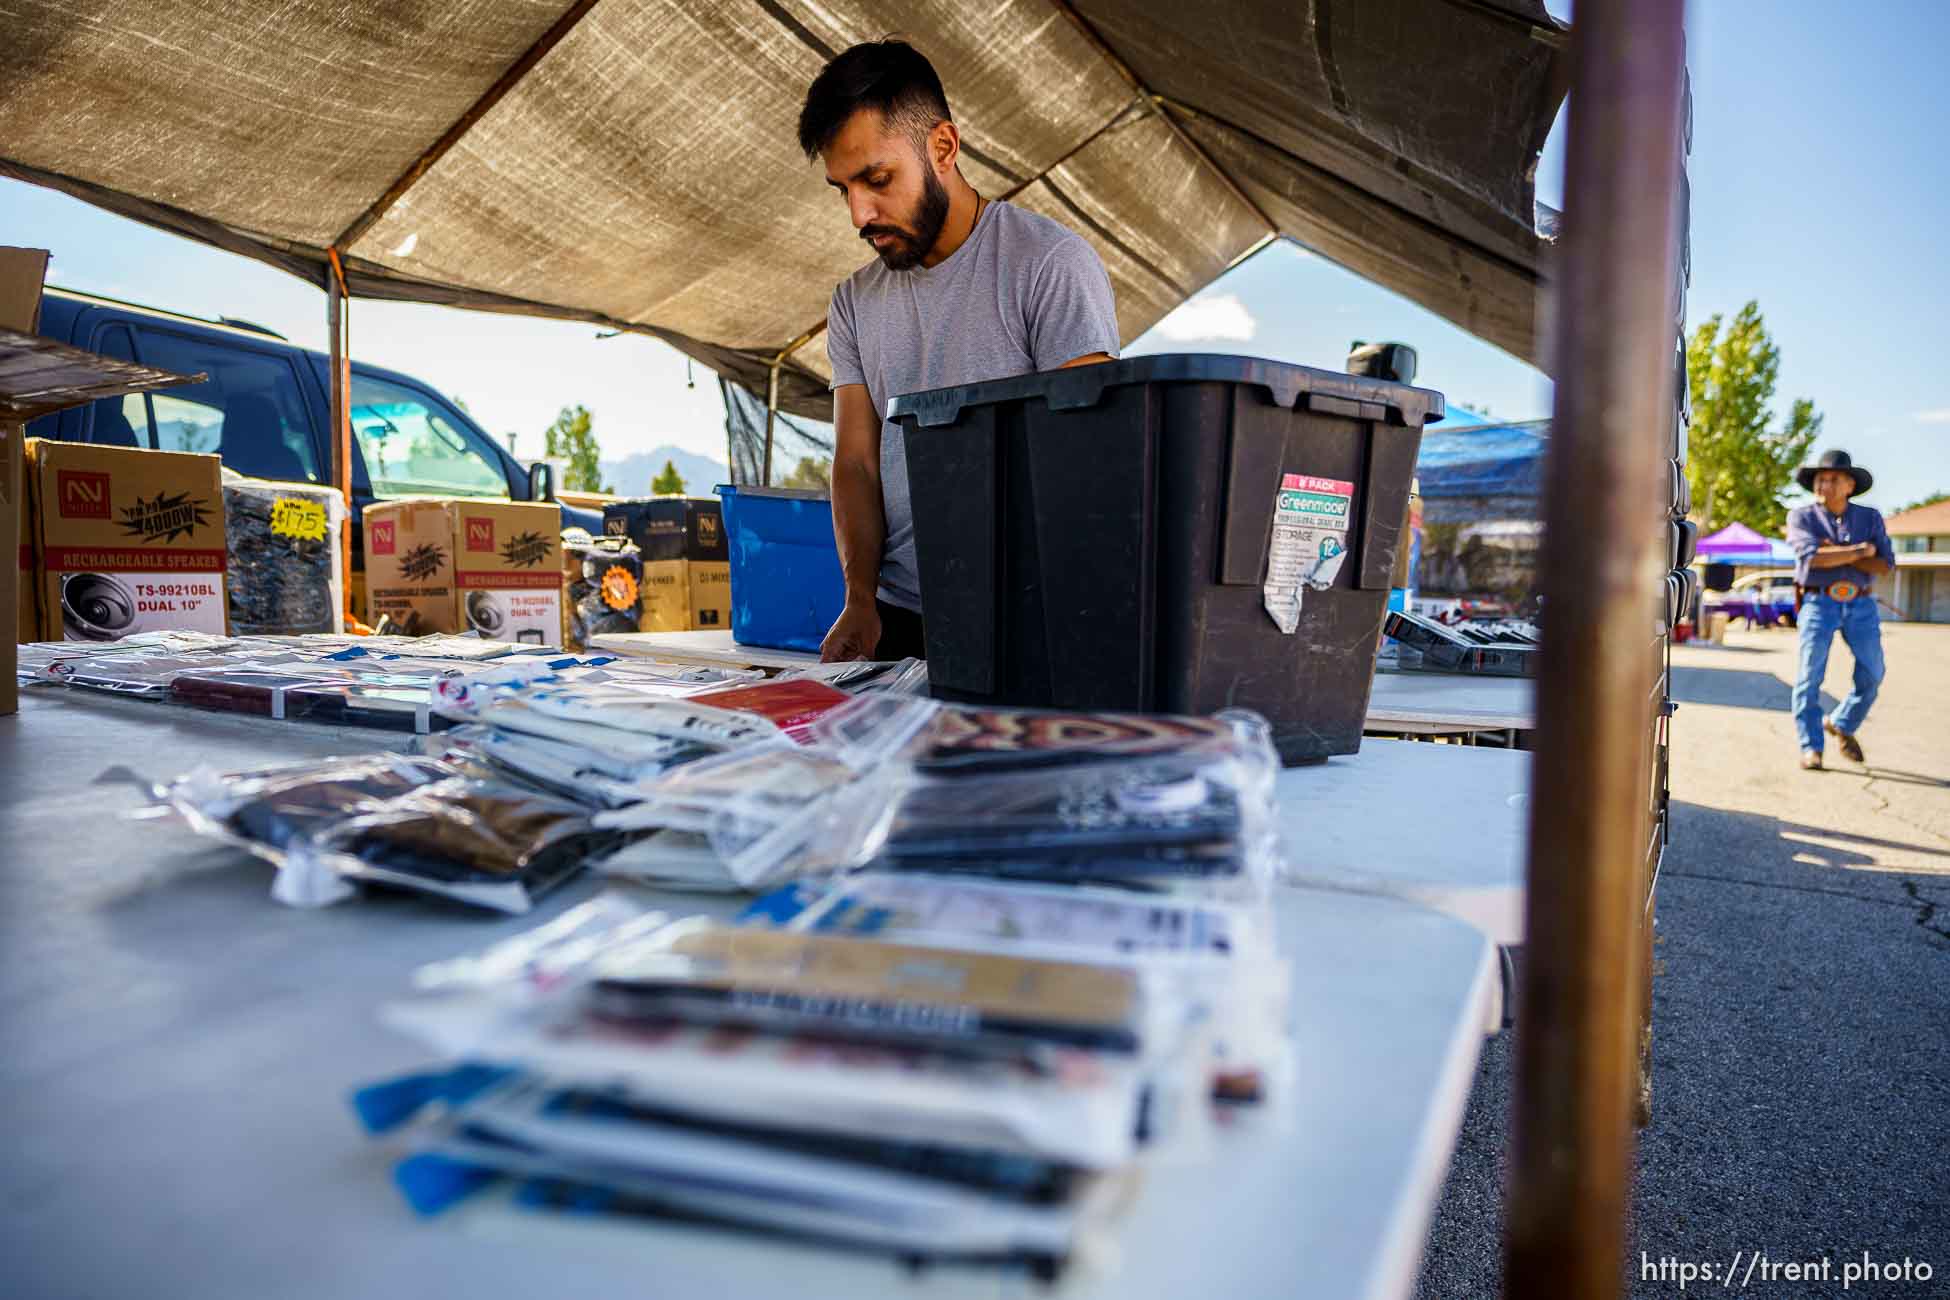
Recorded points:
1483,470
633,162
1739,544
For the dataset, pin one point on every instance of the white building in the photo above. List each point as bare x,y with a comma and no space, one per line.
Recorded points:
1922,541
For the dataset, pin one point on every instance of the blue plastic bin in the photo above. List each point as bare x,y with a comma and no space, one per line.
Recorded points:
786,587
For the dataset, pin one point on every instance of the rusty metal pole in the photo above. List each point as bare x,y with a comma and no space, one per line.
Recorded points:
1590,821
338,324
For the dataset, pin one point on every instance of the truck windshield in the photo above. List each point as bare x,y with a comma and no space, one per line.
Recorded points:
412,448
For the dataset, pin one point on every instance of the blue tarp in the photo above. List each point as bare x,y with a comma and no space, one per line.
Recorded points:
1469,455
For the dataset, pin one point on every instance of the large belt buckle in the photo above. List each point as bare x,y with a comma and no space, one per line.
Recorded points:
1844,590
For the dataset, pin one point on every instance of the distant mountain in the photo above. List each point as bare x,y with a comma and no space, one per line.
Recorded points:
631,476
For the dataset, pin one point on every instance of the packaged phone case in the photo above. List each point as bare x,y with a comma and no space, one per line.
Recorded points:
1170,801
596,1151
1219,960
990,740
789,705
1075,1106
564,769
148,675
765,814
866,990
417,823
465,697
865,676
624,723
1028,918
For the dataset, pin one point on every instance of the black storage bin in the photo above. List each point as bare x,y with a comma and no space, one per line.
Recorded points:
1097,537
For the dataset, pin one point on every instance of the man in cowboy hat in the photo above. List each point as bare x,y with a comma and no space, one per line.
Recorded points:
1841,549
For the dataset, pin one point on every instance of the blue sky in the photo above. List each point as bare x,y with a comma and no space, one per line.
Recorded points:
1820,187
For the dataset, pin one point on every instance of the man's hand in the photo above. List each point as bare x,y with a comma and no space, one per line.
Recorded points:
855,634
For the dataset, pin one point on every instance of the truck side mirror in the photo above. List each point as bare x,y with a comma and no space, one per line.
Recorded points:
541,481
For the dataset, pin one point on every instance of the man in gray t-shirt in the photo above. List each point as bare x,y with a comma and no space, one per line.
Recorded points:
965,289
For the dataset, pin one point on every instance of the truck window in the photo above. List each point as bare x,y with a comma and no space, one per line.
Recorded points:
250,411
118,421
411,448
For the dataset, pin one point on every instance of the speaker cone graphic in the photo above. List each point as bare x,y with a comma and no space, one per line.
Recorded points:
96,607
485,615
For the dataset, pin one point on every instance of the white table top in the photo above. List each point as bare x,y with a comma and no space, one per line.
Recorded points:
1416,701
179,1050
699,648
1446,826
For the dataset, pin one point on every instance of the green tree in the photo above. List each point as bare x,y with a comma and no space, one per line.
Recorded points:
570,439
1739,460
816,475
1929,500
668,483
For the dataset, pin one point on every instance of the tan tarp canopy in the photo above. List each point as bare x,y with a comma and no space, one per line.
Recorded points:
633,162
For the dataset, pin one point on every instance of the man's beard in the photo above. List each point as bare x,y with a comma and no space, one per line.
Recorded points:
909,247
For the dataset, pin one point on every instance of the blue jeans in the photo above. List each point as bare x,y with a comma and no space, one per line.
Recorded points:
1861,627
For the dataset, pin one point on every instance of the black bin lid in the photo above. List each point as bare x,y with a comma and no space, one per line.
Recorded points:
1081,387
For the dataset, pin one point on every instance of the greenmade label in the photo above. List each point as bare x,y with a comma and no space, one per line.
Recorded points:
1308,546
1315,503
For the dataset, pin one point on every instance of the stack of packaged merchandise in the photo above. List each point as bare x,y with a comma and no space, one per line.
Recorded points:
283,542
1059,961
388,683
941,1098
605,585
501,809
1080,798
728,787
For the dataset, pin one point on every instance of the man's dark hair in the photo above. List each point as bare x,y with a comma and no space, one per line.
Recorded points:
891,77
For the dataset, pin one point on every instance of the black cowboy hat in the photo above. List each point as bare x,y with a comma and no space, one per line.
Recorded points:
1835,458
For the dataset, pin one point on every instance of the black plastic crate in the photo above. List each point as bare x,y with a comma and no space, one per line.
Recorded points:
1098,537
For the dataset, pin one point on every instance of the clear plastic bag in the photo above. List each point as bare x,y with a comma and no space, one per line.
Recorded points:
750,819
1219,960
591,1150
422,824
1126,799
148,675
284,544
866,677
763,814
623,722
565,769
1074,1105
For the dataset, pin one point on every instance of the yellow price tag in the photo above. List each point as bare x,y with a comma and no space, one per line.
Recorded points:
295,517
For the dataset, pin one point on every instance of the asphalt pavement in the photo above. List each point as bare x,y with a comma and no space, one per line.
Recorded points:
1801,1077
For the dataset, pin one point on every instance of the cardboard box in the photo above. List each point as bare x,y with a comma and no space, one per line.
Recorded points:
685,596
670,528
410,565
128,541
39,376
441,564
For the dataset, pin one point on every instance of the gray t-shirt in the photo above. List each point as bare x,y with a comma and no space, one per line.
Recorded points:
1021,294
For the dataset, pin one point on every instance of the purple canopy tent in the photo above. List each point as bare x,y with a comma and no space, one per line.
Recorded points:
1739,544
